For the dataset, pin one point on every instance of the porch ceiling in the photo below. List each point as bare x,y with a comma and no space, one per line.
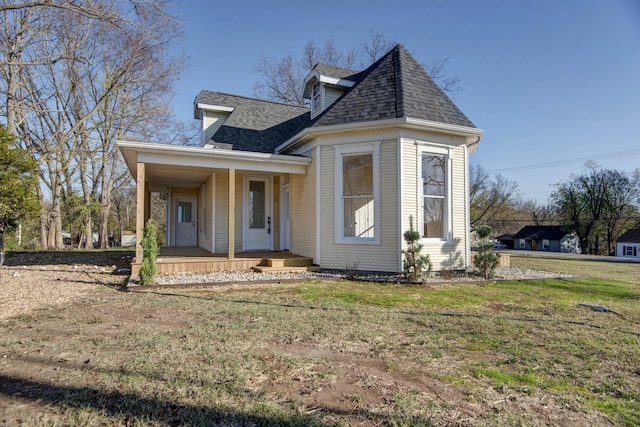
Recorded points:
164,176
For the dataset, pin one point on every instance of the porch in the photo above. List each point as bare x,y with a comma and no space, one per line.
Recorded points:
193,259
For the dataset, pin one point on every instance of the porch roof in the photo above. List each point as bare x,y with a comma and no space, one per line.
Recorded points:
173,164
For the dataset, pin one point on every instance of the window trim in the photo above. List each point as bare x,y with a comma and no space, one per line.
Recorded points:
320,97
448,216
350,150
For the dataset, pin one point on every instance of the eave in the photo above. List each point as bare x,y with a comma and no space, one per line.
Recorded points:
160,154
472,135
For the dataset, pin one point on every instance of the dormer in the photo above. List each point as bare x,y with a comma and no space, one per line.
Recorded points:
212,118
324,84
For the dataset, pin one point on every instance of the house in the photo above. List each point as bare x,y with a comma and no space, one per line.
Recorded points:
337,182
628,245
550,238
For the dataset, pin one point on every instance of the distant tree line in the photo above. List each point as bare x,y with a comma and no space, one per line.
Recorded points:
598,204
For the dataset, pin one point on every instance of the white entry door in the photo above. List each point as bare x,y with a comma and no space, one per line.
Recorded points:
258,221
185,227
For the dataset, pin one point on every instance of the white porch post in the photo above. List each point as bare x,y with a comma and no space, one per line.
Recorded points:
232,215
140,208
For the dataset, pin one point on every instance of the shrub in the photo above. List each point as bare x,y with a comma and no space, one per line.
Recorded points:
414,266
150,251
485,259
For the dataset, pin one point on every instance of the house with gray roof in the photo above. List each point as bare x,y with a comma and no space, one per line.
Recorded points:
549,238
337,182
628,245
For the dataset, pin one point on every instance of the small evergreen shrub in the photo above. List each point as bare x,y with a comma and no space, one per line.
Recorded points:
485,259
150,251
414,265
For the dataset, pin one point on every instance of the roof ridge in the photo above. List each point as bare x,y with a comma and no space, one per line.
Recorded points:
255,99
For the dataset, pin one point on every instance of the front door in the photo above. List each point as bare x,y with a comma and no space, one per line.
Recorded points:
257,213
185,221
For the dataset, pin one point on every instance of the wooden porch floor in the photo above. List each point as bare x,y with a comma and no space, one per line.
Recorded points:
173,259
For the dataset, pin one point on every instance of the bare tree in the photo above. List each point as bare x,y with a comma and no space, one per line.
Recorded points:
75,76
599,205
490,198
281,79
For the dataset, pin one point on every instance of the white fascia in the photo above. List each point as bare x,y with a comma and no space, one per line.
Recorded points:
145,152
324,79
472,135
199,107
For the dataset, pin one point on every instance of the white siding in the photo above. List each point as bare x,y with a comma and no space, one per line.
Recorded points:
303,211
443,255
211,122
374,257
331,94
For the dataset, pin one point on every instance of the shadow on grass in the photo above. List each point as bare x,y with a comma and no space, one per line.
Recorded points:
130,408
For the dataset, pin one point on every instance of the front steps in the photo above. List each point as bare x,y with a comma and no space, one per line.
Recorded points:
285,265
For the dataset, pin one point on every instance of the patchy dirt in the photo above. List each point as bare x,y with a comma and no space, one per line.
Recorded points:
33,280
51,299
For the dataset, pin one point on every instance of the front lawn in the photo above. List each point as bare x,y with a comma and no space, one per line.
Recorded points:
329,353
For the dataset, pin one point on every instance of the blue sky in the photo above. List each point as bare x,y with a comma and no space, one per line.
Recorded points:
547,80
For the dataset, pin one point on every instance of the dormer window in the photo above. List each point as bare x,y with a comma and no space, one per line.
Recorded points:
316,98
324,85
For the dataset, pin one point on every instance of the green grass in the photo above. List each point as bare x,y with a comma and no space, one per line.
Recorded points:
333,353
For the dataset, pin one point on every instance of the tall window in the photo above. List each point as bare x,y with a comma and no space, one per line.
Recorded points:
434,194
316,98
357,188
357,195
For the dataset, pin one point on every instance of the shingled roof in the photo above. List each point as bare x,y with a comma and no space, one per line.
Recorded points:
539,232
395,86
255,125
630,236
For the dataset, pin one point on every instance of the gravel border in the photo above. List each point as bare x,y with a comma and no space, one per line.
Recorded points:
250,276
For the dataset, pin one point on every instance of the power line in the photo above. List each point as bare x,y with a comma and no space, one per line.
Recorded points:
569,161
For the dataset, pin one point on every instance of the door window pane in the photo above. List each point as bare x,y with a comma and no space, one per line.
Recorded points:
184,211
257,198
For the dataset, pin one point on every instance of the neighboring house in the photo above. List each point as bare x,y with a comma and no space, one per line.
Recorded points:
507,240
550,238
336,182
628,245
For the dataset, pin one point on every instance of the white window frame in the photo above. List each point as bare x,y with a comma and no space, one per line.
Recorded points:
350,150
628,251
316,96
545,244
448,215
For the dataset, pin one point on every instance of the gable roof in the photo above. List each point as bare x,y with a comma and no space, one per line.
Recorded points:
630,236
395,86
333,71
254,125
538,232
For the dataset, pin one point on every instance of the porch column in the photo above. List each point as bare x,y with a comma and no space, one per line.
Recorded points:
140,208
231,251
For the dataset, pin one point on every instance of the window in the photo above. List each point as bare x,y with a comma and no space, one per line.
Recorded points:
184,212
545,244
357,210
316,98
629,250
435,221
